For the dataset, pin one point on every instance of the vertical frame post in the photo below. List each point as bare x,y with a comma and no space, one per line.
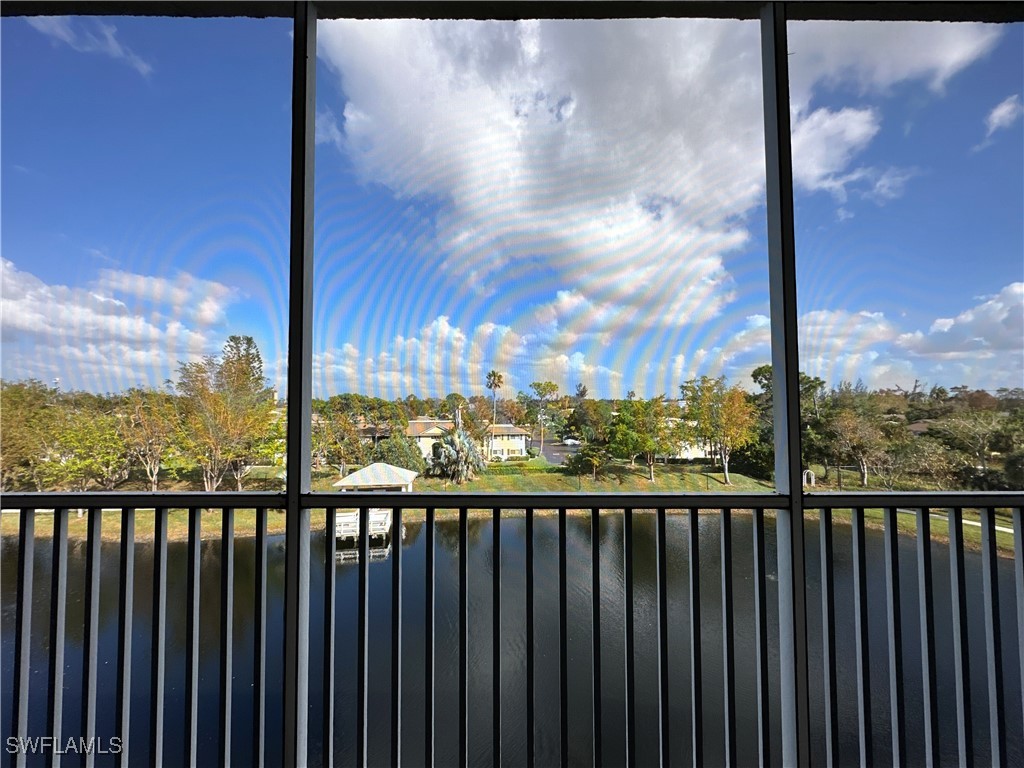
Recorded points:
126,596
786,389
90,642
58,615
300,289
23,631
159,632
227,627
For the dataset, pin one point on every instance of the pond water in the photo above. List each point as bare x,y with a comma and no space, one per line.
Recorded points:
513,645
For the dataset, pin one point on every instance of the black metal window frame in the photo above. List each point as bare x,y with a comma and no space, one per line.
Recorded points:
788,501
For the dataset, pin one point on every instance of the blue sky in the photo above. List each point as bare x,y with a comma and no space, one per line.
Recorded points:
565,201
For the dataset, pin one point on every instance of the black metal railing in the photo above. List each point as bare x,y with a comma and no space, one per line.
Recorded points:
825,508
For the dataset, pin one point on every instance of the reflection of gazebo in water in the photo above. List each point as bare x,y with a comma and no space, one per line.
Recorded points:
375,477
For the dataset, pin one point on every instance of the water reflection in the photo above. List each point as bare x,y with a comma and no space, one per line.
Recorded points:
512,644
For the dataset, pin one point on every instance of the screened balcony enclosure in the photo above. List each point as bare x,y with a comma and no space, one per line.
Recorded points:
779,626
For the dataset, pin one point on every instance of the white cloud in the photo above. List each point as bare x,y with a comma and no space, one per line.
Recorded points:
90,36
620,159
824,142
874,56
327,130
994,328
442,358
119,331
1004,114
542,148
439,359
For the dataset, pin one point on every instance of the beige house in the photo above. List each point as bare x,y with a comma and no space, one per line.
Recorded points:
425,432
504,440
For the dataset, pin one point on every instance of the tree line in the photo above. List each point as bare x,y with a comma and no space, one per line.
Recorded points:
220,420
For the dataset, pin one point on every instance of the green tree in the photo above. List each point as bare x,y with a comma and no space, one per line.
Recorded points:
26,412
642,427
546,391
590,421
858,438
972,431
1014,470
399,451
150,429
591,458
723,419
88,449
335,439
737,425
227,423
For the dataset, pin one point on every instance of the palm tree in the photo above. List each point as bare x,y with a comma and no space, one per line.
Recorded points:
494,382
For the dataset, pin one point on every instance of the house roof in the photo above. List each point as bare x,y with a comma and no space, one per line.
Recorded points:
378,475
418,427
506,429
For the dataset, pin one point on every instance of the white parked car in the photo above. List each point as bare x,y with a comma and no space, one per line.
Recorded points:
571,441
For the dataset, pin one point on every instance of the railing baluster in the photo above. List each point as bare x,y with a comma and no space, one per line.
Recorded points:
924,599
23,630
993,640
428,642
961,659
259,695
728,640
227,618
531,736
563,635
595,608
761,640
828,640
58,613
396,636
159,638
860,626
1018,577
463,638
330,551
363,634
696,673
627,577
124,640
90,645
192,637
895,637
496,635
663,679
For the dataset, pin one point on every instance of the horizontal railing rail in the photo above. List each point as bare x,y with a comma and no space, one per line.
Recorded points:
454,500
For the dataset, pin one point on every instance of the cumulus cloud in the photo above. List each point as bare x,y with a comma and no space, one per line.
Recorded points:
622,158
119,331
993,328
540,148
90,36
442,358
439,359
872,57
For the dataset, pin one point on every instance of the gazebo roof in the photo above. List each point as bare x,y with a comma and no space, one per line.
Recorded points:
378,475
